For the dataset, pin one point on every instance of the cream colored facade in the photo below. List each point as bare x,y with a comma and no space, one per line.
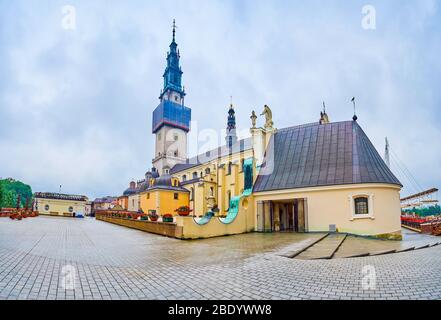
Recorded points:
56,207
331,206
133,203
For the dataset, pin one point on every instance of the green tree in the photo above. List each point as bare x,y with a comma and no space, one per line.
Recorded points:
9,191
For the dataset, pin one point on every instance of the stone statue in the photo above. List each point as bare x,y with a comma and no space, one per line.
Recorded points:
253,119
268,117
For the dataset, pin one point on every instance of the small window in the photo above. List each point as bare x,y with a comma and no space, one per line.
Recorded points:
176,196
211,192
148,196
46,207
70,209
207,171
184,178
175,137
195,175
242,162
361,205
191,194
230,165
175,153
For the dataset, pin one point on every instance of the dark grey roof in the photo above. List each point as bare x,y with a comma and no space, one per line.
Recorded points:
59,196
321,155
130,191
239,146
164,182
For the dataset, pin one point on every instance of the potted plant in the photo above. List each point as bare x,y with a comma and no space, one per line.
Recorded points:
144,217
153,215
167,217
183,211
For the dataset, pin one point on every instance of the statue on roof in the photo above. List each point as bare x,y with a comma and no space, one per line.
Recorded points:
253,119
268,117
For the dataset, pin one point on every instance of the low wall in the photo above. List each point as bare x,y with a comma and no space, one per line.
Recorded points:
161,228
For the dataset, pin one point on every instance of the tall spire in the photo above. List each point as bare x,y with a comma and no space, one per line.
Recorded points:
173,72
174,30
231,137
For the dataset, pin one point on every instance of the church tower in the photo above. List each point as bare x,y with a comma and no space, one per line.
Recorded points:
231,137
171,118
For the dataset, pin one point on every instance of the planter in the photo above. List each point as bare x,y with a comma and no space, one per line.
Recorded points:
184,211
153,218
167,218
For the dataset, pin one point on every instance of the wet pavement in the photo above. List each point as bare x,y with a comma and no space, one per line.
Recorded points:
113,262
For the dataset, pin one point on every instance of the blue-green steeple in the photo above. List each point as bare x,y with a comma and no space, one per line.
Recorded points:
173,72
171,111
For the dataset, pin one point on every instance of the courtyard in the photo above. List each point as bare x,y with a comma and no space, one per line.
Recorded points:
105,261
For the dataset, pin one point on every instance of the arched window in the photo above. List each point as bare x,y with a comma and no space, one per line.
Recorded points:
184,177
195,175
211,192
192,194
207,171
361,205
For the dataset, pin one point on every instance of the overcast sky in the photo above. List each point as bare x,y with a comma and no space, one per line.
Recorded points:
75,105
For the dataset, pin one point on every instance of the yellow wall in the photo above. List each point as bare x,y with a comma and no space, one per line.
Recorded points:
60,207
244,222
163,201
218,179
333,205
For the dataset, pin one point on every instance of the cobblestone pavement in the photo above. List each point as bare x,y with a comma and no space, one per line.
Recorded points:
62,258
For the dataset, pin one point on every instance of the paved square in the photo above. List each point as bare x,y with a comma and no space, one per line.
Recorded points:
62,258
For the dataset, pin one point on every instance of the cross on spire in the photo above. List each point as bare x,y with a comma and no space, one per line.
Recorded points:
174,29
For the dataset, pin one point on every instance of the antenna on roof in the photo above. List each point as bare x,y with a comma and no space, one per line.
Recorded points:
355,113
387,154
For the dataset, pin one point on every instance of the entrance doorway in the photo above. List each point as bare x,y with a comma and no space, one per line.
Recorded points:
281,216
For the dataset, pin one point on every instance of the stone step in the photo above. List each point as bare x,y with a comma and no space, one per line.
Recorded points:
324,249
298,247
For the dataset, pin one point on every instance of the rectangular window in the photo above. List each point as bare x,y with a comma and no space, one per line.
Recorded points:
361,205
176,196
148,195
